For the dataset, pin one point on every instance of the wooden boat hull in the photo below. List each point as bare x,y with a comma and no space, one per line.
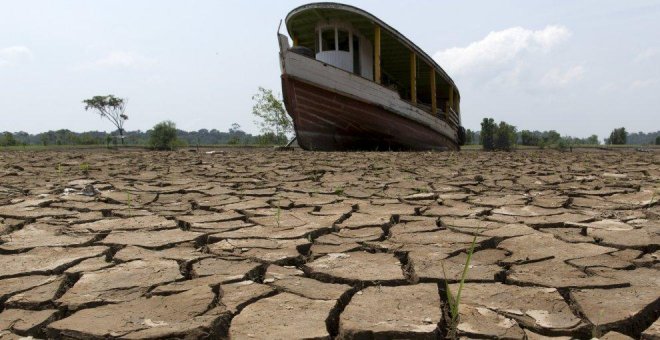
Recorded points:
326,120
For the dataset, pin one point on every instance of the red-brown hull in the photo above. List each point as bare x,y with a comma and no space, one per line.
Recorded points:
328,121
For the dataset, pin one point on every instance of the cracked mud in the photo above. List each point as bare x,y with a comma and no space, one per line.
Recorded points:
257,244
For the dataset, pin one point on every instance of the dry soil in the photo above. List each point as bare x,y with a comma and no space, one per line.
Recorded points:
260,244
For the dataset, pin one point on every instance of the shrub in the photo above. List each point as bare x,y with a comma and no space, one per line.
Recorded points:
563,144
497,137
163,136
487,137
270,138
505,137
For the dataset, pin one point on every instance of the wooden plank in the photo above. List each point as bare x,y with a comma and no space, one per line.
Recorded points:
295,40
377,74
434,99
413,78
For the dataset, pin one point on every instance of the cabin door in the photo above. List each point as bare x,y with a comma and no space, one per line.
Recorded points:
356,56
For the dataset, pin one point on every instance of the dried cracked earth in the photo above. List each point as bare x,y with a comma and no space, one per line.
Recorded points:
248,244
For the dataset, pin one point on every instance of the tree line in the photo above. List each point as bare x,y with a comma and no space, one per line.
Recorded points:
235,136
504,136
275,125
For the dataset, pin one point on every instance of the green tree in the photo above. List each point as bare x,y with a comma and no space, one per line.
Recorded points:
563,144
235,134
528,138
163,136
487,137
468,136
551,137
505,137
110,107
593,140
618,136
8,139
657,140
271,113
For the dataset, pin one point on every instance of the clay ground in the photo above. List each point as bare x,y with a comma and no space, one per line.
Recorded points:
284,245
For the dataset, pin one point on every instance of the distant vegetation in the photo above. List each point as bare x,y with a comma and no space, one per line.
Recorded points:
276,128
235,136
504,136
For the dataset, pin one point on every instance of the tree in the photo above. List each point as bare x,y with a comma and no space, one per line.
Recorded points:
468,136
657,140
235,134
163,136
551,137
618,136
505,137
528,138
272,115
487,137
110,107
593,140
8,139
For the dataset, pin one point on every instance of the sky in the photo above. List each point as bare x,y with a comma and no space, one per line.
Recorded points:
578,67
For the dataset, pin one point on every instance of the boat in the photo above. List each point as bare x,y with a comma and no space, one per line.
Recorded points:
352,82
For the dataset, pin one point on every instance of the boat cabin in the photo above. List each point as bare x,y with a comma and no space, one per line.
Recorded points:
342,46
357,42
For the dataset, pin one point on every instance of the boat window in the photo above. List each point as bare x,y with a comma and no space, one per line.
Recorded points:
328,39
356,55
342,41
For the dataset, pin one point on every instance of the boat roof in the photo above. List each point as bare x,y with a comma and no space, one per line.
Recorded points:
301,23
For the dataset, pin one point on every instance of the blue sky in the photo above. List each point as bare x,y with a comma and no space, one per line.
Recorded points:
579,67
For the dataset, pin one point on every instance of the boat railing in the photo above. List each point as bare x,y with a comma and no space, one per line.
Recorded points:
452,117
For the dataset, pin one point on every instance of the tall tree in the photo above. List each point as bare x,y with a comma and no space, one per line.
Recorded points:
618,136
110,107
505,137
487,137
273,116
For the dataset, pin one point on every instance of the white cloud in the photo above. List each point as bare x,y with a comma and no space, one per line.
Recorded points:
647,54
642,83
15,55
558,78
500,48
608,87
121,59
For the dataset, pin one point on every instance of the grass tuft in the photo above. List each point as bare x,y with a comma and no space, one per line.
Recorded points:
455,301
